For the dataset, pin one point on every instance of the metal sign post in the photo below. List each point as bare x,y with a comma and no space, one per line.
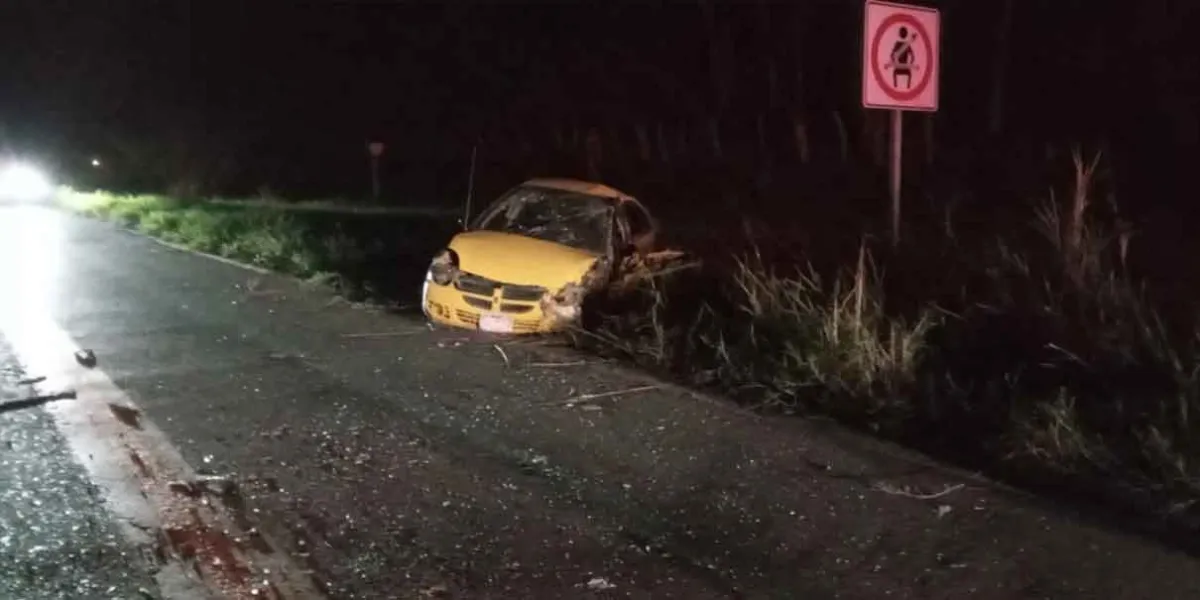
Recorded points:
900,73
895,176
375,149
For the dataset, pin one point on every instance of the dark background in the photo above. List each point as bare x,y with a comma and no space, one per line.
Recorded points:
236,97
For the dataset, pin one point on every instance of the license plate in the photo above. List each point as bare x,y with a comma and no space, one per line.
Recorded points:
495,323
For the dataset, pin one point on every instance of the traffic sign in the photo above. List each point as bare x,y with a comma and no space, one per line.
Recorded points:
900,56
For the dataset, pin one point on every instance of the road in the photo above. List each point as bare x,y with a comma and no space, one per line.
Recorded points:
248,434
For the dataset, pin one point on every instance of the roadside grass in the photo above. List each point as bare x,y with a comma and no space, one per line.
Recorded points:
1034,356
338,206
263,236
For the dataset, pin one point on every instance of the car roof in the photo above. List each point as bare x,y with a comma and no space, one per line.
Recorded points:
587,188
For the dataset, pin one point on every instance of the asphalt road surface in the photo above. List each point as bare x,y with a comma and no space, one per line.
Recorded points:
239,434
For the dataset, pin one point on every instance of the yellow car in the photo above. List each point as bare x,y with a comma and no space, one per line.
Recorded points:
527,262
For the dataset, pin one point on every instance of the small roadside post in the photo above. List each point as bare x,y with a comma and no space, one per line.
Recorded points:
375,150
901,62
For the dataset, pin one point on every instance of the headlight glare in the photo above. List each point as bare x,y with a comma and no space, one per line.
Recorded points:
24,183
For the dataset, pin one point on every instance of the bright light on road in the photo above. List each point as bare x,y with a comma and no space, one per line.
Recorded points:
23,183
31,263
95,162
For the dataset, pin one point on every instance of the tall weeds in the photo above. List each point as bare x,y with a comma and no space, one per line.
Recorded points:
1031,354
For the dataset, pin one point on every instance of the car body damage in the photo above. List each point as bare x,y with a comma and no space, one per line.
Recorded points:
529,261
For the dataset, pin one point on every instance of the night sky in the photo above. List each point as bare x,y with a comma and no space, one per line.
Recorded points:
286,94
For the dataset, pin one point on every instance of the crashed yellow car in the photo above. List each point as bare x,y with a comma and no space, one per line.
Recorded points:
528,261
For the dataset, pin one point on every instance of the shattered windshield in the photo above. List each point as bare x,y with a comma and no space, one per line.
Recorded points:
568,218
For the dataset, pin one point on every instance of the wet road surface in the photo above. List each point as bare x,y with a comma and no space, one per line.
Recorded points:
384,460
56,538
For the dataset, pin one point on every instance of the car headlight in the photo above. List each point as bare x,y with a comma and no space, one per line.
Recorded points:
444,267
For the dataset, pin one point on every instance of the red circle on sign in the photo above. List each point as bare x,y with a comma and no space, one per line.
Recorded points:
877,70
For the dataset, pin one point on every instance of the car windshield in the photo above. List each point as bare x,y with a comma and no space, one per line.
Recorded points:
577,220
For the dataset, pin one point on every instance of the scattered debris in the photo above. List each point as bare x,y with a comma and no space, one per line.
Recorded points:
637,268
436,591
572,401
35,401
552,365
502,354
143,468
544,341
86,358
600,583
382,334
277,433
285,356
127,415
31,380
254,288
184,487
213,484
944,510
204,484
908,493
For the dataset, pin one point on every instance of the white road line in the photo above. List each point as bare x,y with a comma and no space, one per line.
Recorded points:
185,249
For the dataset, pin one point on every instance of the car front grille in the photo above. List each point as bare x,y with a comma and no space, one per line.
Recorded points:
480,303
509,307
474,284
523,293
482,286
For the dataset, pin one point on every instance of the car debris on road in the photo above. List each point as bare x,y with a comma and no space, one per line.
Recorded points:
86,358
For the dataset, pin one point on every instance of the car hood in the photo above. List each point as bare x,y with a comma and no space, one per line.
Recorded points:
513,258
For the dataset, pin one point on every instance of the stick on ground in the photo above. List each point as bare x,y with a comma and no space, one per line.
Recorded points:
589,397
551,365
889,489
381,334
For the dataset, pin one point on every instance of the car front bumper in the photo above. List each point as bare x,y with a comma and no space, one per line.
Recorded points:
447,305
